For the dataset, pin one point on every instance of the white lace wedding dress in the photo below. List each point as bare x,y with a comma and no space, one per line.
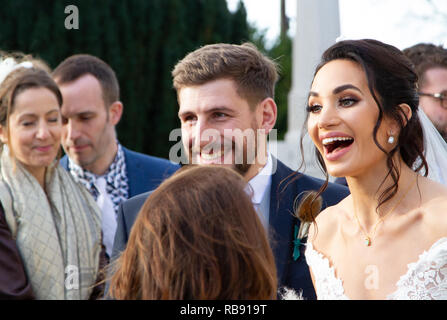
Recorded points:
426,279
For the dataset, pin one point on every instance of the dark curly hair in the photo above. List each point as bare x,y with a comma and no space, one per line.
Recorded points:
392,81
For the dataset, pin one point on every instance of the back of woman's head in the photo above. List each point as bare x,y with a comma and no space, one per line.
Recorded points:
392,81
197,237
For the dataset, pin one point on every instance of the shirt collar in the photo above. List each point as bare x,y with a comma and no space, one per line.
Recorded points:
260,182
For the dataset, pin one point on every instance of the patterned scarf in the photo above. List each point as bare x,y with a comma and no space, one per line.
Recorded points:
58,233
116,176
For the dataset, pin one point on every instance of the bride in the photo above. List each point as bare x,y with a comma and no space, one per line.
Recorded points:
388,239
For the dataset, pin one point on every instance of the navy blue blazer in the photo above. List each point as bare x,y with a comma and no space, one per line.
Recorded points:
144,172
284,190
287,187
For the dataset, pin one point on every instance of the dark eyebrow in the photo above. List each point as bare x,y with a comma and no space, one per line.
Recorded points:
85,113
211,110
345,87
220,109
337,90
184,113
77,114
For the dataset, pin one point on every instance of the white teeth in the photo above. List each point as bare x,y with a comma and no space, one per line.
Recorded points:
330,140
210,157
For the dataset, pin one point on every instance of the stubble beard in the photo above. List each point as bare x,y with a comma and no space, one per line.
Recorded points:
97,150
241,168
442,128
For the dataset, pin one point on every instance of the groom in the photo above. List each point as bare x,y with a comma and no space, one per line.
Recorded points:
226,109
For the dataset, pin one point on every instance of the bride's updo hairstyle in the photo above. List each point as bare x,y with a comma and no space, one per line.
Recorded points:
391,81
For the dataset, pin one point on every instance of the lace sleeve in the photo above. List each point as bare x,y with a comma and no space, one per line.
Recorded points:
426,279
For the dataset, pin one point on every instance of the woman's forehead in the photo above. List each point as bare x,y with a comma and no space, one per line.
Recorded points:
338,73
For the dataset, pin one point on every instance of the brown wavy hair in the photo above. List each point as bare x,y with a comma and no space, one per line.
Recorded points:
197,236
425,56
79,65
392,81
20,80
254,73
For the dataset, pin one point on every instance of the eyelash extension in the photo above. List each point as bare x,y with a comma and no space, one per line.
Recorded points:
311,108
341,101
352,100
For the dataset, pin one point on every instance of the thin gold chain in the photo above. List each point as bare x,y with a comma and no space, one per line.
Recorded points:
368,238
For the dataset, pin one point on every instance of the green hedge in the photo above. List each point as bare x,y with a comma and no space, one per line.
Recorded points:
141,39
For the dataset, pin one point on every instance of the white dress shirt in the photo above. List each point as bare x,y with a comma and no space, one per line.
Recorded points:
260,191
108,218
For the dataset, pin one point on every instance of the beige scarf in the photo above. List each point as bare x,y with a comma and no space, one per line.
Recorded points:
58,233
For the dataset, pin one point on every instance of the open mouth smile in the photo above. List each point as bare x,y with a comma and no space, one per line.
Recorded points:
211,156
335,147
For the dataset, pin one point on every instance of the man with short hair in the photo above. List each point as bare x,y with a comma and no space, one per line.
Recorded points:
430,62
90,111
225,94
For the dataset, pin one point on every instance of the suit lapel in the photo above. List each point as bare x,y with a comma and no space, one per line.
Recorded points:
281,218
134,175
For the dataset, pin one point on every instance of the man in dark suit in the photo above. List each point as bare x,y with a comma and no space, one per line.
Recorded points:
90,111
225,94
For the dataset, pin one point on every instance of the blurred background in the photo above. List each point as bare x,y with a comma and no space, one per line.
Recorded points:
401,23
142,40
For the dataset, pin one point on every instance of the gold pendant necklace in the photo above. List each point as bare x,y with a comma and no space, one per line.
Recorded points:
367,241
368,238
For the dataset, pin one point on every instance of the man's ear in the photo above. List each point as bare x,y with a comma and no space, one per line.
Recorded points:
268,112
3,135
115,112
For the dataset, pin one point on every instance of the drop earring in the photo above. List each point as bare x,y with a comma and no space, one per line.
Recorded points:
391,140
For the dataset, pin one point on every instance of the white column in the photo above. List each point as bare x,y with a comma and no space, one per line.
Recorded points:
317,28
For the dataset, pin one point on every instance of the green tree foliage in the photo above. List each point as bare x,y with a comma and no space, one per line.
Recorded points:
281,53
142,40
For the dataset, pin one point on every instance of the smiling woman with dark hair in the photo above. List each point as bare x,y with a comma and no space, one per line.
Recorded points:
364,121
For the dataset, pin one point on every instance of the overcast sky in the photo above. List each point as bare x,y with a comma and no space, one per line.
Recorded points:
401,23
